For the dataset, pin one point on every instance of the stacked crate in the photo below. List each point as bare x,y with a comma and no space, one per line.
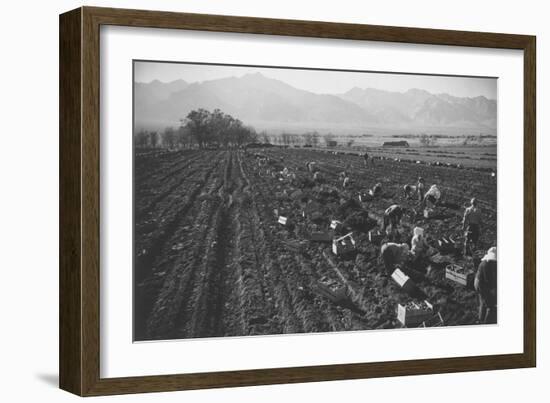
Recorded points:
460,275
376,237
344,246
413,313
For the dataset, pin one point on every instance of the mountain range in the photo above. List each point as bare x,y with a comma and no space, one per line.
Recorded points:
271,104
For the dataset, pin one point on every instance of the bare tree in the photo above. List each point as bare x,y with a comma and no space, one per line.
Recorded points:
285,138
314,139
263,135
329,139
308,138
427,140
169,138
141,138
154,139
183,137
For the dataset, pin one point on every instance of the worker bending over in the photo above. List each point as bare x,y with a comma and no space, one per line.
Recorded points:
376,190
408,191
392,216
432,196
394,254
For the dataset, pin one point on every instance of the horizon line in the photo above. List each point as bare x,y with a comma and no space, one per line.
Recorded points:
327,93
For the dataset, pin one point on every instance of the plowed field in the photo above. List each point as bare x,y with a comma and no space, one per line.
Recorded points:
211,259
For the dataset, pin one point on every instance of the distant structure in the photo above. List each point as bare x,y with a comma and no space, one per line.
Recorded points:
332,143
401,143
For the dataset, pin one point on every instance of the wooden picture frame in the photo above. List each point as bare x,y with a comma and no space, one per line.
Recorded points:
79,200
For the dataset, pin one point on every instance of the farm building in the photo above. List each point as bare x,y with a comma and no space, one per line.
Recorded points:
332,143
401,143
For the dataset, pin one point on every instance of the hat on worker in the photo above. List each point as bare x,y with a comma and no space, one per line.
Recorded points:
491,254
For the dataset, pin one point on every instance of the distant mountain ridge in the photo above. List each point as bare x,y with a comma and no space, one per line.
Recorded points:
266,103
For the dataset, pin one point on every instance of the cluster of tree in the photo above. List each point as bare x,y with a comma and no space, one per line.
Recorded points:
330,140
312,139
200,128
168,138
217,128
474,139
427,140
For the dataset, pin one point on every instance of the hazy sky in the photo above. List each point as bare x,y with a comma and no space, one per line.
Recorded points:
321,81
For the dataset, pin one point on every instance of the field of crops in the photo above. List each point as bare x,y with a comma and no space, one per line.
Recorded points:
211,258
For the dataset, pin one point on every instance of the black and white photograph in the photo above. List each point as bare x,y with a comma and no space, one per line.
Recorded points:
270,200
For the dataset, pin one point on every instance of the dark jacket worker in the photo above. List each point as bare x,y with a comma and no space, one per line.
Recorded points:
485,284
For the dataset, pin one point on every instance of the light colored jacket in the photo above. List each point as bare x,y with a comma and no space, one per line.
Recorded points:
433,191
418,242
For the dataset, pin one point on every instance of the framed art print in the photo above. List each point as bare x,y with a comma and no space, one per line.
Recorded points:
251,201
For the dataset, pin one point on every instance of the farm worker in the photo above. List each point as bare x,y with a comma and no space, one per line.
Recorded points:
419,246
376,190
392,216
394,254
317,176
485,283
408,190
346,182
366,159
472,225
420,188
432,196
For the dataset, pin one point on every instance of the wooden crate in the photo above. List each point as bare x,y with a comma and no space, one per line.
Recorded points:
413,313
376,237
403,280
343,245
321,236
283,220
460,275
434,321
446,245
